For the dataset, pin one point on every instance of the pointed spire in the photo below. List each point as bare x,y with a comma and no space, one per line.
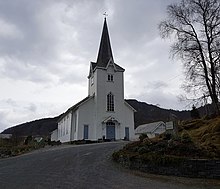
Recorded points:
105,51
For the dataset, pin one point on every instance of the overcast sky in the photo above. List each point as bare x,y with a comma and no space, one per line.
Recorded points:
46,47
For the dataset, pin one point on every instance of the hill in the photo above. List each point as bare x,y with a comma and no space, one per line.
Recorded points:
146,113
41,127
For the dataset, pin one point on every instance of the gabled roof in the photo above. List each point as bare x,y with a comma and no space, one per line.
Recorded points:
148,128
119,68
74,107
93,67
110,118
105,51
132,108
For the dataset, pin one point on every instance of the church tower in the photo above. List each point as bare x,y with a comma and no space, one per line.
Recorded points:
105,62
106,84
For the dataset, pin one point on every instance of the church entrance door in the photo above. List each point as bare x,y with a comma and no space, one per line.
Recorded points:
110,130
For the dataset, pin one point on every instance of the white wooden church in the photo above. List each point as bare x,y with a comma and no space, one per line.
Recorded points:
103,113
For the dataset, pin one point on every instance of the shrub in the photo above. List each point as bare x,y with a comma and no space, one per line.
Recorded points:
168,136
143,136
28,140
143,150
115,156
185,138
166,160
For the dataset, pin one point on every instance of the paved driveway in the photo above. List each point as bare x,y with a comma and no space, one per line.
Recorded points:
85,166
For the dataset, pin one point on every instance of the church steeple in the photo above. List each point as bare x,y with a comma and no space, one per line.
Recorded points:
105,51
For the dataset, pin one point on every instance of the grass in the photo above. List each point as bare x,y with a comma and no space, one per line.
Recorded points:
17,146
205,133
196,139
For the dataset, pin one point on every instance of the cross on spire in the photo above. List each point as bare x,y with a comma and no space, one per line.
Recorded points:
105,14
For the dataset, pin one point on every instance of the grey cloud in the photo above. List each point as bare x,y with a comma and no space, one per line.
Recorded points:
161,98
51,43
156,85
39,45
137,21
32,107
14,69
73,78
49,30
14,112
22,14
11,102
3,121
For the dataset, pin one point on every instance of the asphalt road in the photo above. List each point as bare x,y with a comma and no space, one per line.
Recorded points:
84,166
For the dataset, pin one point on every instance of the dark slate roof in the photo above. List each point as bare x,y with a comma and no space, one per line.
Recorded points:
105,51
94,66
74,107
119,68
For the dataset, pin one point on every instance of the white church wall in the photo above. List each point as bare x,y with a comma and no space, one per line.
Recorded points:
127,115
92,84
104,87
122,113
86,117
64,128
74,123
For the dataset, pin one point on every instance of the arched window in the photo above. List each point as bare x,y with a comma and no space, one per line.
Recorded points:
110,102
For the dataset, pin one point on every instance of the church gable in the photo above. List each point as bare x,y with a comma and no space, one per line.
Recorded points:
111,68
116,67
111,65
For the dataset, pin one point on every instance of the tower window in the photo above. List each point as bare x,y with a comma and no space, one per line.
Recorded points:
110,77
110,102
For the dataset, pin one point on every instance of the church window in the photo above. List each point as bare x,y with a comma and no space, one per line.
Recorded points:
75,117
92,80
66,129
110,102
110,77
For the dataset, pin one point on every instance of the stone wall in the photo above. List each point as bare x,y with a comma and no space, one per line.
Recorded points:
186,168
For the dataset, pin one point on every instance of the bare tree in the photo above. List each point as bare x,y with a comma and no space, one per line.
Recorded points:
195,27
